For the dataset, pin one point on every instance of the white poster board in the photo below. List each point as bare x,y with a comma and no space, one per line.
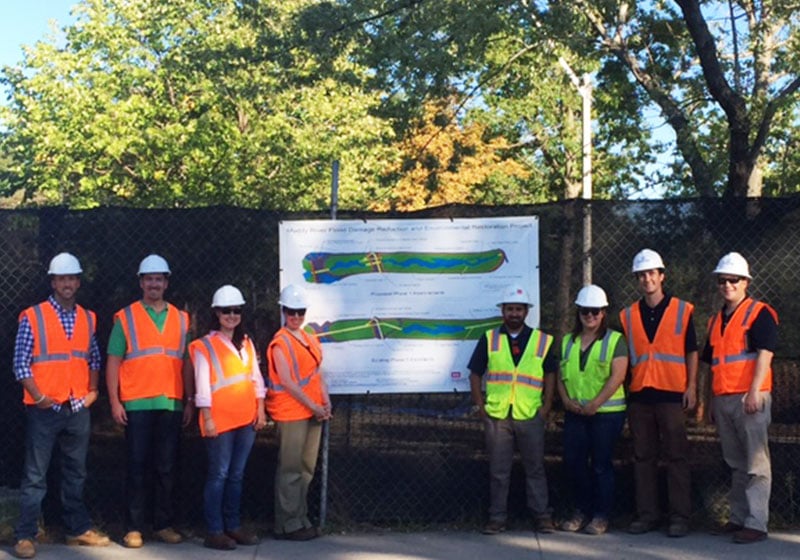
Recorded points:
399,305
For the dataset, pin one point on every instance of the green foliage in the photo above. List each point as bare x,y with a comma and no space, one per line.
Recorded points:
187,103
248,102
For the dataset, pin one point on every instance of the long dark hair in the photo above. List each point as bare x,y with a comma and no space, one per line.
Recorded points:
238,331
578,326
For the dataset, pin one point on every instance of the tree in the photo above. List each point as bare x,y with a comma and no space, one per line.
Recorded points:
708,79
445,161
186,103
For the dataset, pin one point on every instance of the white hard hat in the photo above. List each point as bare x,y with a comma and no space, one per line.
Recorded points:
153,264
64,263
591,296
515,294
226,296
293,297
733,264
646,259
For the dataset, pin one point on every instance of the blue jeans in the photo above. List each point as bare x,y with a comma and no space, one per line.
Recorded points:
70,431
227,457
151,437
588,453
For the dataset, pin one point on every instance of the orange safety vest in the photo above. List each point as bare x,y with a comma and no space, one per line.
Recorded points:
732,365
233,392
304,362
660,364
153,360
60,366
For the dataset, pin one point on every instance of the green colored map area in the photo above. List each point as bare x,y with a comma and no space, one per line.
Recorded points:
426,329
327,268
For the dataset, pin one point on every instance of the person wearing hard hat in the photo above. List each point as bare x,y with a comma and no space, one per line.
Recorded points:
298,402
662,352
57,361
518,364
741,342
230,400
146,391
594,362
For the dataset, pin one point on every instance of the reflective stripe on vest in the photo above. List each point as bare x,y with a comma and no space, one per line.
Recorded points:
744,356
732,365
518,387
137,352
44,356
295,368
659,363
222,380
616,402
633,358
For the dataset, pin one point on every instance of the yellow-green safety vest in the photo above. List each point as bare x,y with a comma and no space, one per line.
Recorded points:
520,385
583,386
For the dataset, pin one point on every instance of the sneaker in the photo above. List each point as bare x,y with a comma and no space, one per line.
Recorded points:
132,539
597,526
24,549
678,528
168,535
748,535
544,524
494,527
219,541
574,523
89,538
243,537
641,526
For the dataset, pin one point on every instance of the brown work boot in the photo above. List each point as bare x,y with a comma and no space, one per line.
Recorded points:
132,539
219,541
24,549
89,538
544,524
243,537
748,535
168,535
493,527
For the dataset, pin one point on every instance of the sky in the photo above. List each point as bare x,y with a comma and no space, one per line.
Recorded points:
23,22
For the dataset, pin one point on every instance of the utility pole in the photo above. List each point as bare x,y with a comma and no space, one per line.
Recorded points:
584,88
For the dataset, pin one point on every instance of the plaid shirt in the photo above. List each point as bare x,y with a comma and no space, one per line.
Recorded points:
23,349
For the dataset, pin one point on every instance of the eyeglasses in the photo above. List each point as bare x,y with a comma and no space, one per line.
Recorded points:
732,281
230,310
589,311
294,312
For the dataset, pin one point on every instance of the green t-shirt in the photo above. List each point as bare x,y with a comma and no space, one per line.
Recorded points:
118,345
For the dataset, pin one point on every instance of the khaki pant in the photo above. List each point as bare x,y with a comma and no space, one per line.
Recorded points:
745,448
297,460
500,436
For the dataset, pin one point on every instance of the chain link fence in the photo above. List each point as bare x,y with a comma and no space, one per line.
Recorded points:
413,459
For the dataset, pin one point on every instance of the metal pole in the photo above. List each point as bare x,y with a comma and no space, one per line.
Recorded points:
585,90
586,95
323,493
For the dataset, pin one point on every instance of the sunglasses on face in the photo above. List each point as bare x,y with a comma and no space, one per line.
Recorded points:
294,312
595,311
230,310
732,281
